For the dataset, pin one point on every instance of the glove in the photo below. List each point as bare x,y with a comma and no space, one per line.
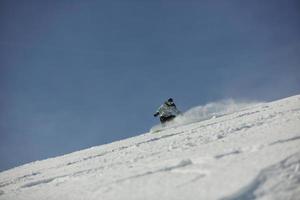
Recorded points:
156,114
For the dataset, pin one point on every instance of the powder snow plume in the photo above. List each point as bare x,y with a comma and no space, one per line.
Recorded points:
208,111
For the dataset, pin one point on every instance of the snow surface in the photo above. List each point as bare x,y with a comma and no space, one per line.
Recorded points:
249,152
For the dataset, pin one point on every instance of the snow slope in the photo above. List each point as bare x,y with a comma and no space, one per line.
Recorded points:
252,153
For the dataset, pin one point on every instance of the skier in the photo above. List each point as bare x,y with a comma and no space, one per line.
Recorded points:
167,111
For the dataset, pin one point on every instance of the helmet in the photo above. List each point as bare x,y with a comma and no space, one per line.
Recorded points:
170,100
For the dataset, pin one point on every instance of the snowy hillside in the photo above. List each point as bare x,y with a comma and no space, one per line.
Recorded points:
251,153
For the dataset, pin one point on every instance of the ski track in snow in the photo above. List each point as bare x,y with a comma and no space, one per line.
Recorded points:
255,147
271,177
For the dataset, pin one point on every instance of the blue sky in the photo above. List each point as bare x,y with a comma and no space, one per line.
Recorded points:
75,74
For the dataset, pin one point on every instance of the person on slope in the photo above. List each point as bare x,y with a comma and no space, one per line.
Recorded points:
167,111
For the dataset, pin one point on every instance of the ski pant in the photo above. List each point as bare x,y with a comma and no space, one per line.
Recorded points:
164,119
